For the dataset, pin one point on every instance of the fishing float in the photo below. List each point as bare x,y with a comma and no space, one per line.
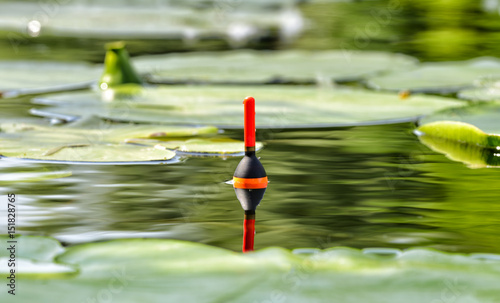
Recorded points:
250,178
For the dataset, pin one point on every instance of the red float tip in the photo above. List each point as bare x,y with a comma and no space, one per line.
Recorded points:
249,104
248,234
248,99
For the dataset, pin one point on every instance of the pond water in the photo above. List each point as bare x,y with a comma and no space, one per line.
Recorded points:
367,186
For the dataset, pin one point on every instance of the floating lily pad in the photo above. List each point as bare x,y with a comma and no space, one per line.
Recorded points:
215,146
486,89
34,248
107,142
271,66
482,115
35,77
277,106
480,94
438,77
462,141
35,255
166,270
151,20
104,143
460,132
469,153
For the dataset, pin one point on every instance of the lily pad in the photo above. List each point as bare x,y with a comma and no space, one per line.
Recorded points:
234,23
40,249
36,77
461,141
471,154
202,147
35,257
167,270
437,77
104,143
270,66
460,132
483,115
277,106
486,89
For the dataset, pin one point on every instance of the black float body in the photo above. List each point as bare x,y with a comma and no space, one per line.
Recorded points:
250,167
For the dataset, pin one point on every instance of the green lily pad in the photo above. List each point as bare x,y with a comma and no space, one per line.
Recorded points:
212,146
234,23
277,106
460,132
469,153
102,143
480,94
270,66
35,257
40,249
438,77
486,89
93,140
36,77
483,115
167,270
463,139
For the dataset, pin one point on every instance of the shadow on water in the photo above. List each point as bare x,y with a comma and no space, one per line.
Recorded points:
371,186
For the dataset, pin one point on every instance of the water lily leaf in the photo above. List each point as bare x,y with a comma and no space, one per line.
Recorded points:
270,67
486,89
483,115
35,255
152,20
460,132
470,154
95,140
166,270
277,106
102,143
438,77
34,248
480,94
35,77
219,146
461,142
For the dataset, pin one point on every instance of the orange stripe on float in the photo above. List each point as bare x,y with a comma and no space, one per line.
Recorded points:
250,183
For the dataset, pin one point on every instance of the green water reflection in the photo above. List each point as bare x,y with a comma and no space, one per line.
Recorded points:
359,187
430,30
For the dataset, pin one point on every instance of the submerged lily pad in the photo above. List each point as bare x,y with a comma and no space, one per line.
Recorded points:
104,143
438,77
166,270
277,106
270,66
35,77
